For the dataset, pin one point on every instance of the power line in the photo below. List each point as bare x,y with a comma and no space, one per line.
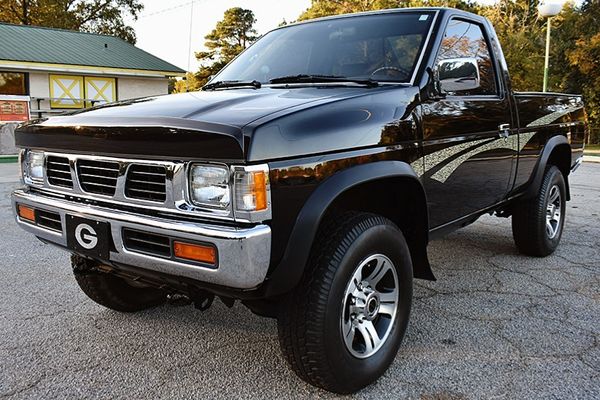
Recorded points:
164,10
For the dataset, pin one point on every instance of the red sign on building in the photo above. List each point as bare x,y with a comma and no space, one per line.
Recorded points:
14,108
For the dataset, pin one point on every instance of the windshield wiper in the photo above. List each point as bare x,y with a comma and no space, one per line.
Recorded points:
302,78
231,84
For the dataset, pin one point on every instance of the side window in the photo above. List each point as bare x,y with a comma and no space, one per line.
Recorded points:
466,40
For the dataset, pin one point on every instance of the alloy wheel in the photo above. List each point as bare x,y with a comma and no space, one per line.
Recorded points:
369,306
553,212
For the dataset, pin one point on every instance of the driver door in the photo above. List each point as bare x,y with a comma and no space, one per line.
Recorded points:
469,143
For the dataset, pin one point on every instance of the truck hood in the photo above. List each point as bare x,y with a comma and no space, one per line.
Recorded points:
198,125
235,108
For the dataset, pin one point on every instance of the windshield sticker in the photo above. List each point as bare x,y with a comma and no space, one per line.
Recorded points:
423,17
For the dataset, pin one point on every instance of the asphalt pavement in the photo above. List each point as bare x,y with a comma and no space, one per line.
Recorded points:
496,325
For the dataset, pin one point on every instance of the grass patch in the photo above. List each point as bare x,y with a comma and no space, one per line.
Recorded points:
592,147
9,159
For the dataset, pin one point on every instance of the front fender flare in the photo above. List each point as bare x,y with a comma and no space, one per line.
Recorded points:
289,271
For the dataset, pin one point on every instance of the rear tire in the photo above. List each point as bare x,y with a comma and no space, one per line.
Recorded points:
113,292
326,325
537,223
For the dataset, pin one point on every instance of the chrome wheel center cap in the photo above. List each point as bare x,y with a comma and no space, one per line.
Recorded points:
372,306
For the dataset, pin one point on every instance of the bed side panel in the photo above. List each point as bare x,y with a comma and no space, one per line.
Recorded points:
542,116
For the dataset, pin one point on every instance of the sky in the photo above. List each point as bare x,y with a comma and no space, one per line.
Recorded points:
163,27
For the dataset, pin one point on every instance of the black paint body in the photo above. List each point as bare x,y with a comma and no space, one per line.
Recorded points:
443,154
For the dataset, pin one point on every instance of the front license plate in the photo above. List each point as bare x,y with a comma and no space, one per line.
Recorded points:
88,237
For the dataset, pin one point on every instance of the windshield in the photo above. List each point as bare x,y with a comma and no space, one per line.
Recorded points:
383,47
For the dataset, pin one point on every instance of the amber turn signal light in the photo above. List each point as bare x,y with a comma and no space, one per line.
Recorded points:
259,190
195,252
27,213
251,190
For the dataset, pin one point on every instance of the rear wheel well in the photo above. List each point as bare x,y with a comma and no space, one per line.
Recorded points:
401,200
561,158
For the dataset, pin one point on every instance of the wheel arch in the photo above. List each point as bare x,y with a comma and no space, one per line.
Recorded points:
557,151
348,189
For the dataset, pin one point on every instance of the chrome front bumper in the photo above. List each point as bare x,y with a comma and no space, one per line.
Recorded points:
244,253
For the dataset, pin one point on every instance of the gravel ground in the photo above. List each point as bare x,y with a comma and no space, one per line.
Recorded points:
494,325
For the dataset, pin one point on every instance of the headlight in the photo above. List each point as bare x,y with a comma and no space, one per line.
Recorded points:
243,192
34,166
209,186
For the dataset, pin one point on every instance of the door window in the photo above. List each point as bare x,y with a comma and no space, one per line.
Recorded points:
465,40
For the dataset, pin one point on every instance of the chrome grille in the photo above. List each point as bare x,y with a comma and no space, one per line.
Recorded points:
99,177
58,171
146,182
162,187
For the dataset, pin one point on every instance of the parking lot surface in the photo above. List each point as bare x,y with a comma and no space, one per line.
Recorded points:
495,325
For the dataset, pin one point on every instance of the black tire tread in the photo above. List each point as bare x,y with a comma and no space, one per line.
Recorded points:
526,217
299,325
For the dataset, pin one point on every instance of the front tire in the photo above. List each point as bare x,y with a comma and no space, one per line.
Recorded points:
342,326
113,292
537,223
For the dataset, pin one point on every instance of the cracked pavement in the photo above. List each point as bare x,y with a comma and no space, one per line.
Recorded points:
496,325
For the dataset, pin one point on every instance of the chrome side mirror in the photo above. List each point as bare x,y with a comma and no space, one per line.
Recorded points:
458,74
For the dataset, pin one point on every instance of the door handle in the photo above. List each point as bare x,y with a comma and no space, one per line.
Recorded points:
504,130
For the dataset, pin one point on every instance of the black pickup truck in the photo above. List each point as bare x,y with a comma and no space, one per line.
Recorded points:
306,180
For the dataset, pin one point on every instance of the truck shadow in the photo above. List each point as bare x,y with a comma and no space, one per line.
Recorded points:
222,343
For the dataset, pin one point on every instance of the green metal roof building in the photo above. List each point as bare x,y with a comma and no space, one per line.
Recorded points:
61,69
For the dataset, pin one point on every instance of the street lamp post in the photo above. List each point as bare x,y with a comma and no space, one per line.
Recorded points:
548,10
547,57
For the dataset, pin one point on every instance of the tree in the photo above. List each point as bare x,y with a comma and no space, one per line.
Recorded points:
188,83
229,38
96,16
231,35
574,53
574,50
583,55
323,8
522,36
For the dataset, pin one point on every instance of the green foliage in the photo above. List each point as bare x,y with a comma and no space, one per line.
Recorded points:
574,57
96,16
187,84
231,35
323,8
575,42
522,36
580,48
229,38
